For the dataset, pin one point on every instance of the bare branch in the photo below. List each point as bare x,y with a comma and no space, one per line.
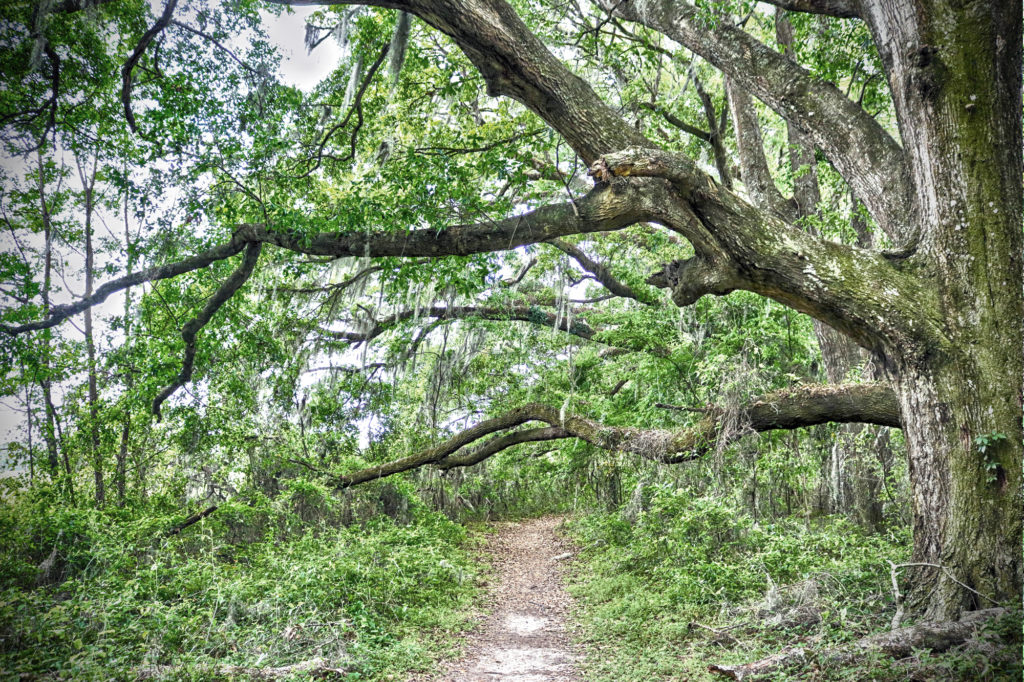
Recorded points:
228,289
899,643
677,122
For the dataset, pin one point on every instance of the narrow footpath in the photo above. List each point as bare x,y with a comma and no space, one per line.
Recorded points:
524,638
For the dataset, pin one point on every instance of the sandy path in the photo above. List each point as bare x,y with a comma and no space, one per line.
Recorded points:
524,638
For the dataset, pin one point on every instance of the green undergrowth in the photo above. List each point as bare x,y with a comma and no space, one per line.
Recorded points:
251,585
695,581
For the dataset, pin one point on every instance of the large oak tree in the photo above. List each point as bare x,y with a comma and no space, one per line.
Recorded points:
941,309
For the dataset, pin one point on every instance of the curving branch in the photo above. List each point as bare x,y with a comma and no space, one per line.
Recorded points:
496,445
228,289
136,55
867,157
873,403
741,247
602,273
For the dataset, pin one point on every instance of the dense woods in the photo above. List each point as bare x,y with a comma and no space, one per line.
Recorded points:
736,286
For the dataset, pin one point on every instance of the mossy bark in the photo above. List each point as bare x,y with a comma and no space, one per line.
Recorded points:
955,73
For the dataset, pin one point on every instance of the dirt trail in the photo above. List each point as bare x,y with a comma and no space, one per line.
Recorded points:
524,638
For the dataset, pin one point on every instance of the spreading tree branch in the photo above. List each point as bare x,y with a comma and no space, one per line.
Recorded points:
741,247
228,289
136,55
872,403
603,209
870,160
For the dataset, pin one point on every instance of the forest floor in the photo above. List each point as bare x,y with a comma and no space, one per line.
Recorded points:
524,638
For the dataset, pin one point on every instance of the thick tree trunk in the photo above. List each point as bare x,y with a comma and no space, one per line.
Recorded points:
955,74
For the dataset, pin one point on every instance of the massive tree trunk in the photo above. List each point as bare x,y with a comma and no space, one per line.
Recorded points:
955,73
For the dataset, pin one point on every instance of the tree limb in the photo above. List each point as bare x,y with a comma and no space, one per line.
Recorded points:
228,289
741,247
601,272
136,55
870,160
603,209
842,9
515,63
873,403
496,445
757,177
677,122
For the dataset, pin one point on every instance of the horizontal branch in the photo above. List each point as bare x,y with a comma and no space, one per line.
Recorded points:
603,209
842,9
872,403
519,313
59,313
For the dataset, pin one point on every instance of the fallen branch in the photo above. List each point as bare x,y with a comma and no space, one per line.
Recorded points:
936,637
195,518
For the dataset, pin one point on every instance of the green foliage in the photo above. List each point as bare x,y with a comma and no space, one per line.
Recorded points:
360,597
695,581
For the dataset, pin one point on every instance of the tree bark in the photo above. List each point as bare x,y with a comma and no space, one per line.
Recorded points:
955,75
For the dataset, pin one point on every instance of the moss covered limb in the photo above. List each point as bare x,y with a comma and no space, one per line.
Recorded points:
872,403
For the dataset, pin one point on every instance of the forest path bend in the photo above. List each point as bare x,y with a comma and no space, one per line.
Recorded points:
524,638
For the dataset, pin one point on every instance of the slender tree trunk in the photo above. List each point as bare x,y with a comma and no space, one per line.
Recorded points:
88,179
126,424
49,430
